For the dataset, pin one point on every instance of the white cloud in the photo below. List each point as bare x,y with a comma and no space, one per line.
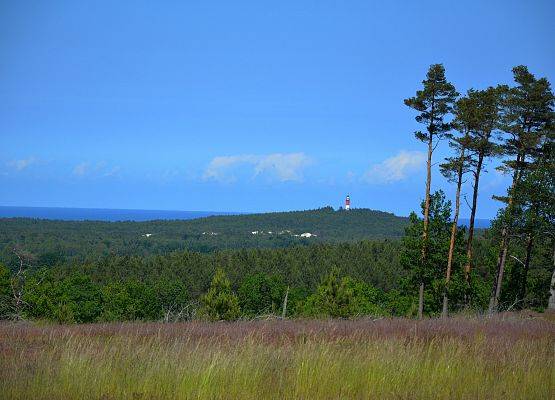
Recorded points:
287,167
81,169
98,169
395,168
113,171
218,169
284,167
20,165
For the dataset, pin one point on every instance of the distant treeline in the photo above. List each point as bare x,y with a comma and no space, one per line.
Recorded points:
339,280
57,242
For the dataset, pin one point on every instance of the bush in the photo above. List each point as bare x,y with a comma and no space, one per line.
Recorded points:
74,299
220,303
171,296
261,294
128,301
344,297
400,304
5,292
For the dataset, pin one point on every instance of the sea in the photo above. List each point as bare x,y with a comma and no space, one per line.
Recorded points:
102,214
109,214
479,223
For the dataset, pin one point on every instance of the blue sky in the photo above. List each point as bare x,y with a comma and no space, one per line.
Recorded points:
242,106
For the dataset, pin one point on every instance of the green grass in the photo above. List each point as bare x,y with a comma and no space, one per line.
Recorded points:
388,359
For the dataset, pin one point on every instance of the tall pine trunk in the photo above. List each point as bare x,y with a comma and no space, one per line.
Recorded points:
445,309
494,300
470,240
433,103
529,247
469,249
426,222
421,300
551,305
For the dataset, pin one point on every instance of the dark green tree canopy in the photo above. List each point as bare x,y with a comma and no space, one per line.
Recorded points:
261,294
433,103
528,116
464,121
486,109
5,292
432,269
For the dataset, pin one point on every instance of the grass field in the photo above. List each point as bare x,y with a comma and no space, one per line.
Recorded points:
460,358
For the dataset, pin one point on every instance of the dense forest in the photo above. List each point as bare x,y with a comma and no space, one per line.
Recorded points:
55,242
322,263
322,279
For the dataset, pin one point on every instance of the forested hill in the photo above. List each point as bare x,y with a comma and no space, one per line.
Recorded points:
56,241
326,223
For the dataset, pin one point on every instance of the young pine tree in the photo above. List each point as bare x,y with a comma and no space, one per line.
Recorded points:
432,272
220,303
434,102
343,297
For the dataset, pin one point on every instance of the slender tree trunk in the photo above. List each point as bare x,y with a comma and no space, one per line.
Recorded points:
551,304
529,246
426,223
421,301
505,232
469,243
445,309
494,301
284,309
427,198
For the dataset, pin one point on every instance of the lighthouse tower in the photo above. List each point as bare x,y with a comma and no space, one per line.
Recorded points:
348,203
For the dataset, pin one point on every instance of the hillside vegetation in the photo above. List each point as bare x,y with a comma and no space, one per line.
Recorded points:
54,242
131,277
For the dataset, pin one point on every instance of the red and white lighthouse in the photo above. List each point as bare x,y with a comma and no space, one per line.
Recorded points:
348,203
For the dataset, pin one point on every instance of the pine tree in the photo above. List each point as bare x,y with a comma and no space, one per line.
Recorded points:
334,297
527,119
535,208
432,272
486,106
434,102
454,169
220,303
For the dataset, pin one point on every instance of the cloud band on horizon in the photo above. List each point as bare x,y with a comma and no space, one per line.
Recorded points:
283,167
396,168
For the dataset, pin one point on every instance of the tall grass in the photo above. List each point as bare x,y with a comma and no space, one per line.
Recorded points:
387,359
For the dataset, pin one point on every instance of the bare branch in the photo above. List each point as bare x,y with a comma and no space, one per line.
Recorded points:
515,258
467,203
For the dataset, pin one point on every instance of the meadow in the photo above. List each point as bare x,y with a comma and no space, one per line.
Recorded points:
505,357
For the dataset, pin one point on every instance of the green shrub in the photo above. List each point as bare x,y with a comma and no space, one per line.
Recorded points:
220,303
261,294
74,299
131,300
171,295
344,297
5,292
